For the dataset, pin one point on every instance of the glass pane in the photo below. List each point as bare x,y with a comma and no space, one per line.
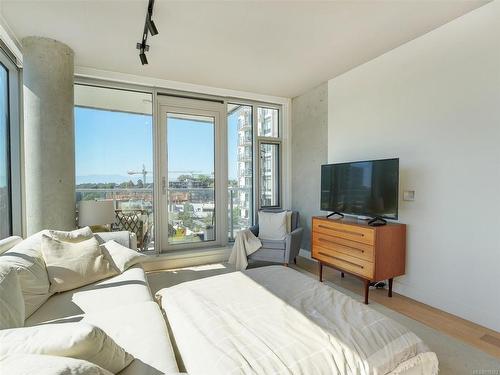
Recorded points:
268,122
114,156
269,174
5,202
240,168
191,184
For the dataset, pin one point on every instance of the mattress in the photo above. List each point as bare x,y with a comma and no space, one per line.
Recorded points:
275,320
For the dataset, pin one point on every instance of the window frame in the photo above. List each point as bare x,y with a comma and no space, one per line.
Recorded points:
13,142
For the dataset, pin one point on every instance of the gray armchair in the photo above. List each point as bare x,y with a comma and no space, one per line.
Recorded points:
280,251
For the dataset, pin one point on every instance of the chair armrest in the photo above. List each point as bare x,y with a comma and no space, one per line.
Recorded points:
293,243
125,238
255,230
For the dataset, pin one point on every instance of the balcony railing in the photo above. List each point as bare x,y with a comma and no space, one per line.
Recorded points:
240,209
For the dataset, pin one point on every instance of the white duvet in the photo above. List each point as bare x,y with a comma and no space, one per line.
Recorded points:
275,320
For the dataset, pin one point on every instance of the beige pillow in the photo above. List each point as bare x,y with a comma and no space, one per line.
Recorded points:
27,364
122,257
12,311
71,265
77,235
272,225
8,243
76,340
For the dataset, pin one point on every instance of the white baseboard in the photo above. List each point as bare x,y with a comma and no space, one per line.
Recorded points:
187,258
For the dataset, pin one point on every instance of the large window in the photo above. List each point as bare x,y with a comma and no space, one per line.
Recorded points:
10,181
269,157
240,167
5,195
114,155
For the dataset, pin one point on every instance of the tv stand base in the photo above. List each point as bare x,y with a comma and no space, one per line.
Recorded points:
335,213
377,222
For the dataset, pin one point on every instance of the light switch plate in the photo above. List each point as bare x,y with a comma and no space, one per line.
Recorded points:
409,195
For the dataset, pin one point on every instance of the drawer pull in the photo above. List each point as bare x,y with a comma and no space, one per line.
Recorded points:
342,260
341,230
336,244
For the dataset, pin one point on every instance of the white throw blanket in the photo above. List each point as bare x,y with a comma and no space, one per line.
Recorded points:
245,244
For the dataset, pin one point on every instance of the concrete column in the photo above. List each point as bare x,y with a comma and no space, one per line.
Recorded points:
49,137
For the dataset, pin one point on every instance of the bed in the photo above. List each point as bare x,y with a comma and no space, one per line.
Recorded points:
275,320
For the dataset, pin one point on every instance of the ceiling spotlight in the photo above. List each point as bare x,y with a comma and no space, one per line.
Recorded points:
151,26
144,59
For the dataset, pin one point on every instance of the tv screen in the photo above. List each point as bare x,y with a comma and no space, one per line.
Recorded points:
368,188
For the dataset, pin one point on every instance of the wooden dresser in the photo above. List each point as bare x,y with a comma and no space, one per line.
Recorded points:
354,247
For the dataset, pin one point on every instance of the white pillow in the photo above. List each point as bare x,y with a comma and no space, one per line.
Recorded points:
8,243
71,265
77,235
11,299
272,225
121,257
29,364
30,267
77,340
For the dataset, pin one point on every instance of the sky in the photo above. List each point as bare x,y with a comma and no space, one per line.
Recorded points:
109,144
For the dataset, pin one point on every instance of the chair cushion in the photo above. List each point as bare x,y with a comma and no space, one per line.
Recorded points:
272,225
11,299
122,290
273,244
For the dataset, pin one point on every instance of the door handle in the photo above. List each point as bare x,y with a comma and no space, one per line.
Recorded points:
164,185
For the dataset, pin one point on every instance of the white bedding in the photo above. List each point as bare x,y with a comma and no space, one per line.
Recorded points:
274,320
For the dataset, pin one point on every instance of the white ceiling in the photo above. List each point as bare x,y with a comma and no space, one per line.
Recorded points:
280,48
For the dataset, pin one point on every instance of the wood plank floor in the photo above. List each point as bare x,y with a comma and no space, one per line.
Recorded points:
473,334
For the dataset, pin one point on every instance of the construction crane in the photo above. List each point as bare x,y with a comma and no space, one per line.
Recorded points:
144,173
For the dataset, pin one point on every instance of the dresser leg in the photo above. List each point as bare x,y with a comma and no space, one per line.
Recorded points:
390,287
342,275
320,272
367,288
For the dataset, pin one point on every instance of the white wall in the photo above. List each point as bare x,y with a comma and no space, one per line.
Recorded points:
435,103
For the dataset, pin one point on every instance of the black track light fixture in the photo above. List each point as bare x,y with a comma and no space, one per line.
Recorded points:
149,26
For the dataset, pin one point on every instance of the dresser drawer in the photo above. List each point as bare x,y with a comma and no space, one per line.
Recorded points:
345,262
341,245
348,232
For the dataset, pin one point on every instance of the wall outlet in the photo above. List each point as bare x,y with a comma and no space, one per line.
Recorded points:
409,195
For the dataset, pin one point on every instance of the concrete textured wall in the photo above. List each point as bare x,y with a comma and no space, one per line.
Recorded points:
434,103
309,151
49,139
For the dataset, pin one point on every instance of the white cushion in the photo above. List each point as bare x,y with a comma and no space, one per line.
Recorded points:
141,330
73,236
28,262
125,289
11,299
77,340
122,257
29,364
71,265
8,243
272,225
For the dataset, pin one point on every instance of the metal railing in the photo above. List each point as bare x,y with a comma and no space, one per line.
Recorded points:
240,208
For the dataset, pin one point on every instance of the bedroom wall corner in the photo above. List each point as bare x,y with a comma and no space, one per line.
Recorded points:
309,151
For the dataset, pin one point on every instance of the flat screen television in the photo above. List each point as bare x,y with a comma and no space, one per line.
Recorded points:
364,188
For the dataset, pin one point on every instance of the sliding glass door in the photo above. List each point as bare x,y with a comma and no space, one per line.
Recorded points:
190,174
